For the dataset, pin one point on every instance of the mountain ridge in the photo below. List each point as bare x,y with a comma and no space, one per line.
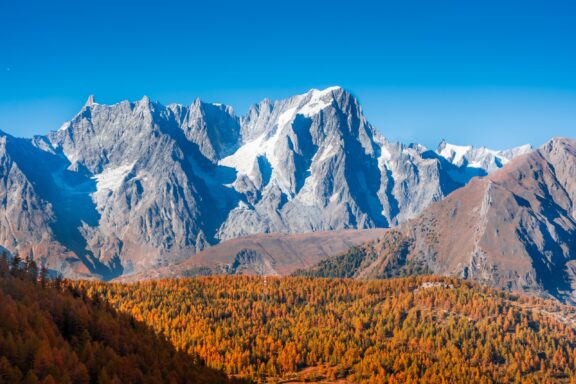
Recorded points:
513,229
135,185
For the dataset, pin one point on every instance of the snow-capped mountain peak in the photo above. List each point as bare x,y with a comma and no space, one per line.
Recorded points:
309,104
481,158
275,127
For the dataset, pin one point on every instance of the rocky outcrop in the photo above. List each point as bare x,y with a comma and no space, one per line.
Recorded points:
313,162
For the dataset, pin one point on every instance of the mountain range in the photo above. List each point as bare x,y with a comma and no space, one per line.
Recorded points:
126,188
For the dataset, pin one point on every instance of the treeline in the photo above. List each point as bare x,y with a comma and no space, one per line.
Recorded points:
382,259
408,330
51,332
345,265
25,269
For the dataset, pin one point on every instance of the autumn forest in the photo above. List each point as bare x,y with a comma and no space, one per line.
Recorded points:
263,329
417,329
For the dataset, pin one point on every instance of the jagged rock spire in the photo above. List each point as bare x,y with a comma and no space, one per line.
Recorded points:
91,100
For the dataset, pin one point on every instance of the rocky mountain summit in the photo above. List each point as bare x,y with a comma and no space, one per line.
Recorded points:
127,187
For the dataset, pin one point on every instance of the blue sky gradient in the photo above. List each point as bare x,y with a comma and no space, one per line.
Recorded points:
495,73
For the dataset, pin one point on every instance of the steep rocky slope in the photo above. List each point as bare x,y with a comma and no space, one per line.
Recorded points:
514,229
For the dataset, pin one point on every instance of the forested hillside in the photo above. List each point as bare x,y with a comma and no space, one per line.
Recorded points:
415,329
52,333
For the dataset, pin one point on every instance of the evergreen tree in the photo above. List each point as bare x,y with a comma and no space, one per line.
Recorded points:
58,281
43,276
15,266
31,269
4,264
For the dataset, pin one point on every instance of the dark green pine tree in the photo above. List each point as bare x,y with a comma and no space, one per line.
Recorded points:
43,276
4,264
15,266
31,269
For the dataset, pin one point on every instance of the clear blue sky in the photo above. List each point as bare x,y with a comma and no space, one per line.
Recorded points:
498,73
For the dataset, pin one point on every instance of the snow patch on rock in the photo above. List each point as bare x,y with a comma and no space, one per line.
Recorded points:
111,179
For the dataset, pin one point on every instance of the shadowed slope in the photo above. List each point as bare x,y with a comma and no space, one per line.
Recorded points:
51,335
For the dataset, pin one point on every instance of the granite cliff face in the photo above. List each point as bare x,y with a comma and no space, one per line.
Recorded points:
313,162
127,187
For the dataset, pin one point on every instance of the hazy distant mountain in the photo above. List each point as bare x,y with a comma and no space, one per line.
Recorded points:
127,187
471,161
515,229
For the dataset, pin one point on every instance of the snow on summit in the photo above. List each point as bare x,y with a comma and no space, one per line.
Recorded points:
308,104
481,158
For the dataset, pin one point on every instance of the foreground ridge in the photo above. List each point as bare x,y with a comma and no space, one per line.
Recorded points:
55,334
